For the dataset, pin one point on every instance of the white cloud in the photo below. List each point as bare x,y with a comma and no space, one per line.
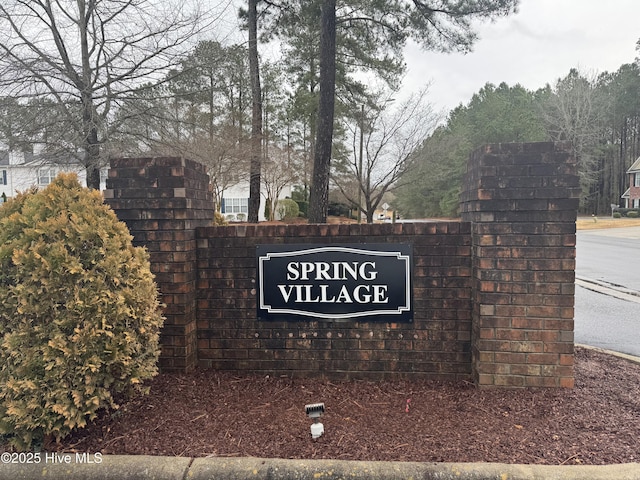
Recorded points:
538,45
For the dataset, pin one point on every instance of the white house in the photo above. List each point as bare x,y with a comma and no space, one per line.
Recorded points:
20,171
235,202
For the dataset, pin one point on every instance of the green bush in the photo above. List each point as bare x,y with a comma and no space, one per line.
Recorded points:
267,209
632,214
338,209
303,206
79,312
287,209
617,215
625,211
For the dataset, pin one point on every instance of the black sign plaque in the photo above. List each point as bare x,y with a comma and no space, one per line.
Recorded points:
335,282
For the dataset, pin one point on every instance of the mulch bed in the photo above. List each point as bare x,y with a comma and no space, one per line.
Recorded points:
221,414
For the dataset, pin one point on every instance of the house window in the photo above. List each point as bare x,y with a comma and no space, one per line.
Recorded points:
46,176
3,177
637,180
235,205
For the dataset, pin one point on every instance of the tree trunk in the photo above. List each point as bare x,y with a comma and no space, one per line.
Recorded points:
93,176
369,216
92,159
256,115
89,115
319,196
91,144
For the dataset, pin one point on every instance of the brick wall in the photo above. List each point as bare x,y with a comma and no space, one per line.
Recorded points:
493,294
522,201
162,201
435,345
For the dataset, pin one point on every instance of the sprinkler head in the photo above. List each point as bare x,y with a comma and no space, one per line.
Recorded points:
315,411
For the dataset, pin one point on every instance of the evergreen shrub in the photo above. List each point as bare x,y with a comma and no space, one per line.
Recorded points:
79,312
626,211
287,209
303,207
338,209
267,209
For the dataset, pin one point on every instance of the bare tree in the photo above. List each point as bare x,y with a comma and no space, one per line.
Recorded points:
89,56
226,160
390,138
279,172
571,114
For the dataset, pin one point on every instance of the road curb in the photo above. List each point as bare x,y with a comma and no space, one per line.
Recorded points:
70,466
278,469
609,289
624,356
181,468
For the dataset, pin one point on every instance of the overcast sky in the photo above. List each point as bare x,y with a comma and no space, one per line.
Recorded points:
536,46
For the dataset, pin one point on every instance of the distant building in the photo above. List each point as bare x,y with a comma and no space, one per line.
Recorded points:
632,196
235,203
20,171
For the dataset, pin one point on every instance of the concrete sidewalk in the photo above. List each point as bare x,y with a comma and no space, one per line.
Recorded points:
179,468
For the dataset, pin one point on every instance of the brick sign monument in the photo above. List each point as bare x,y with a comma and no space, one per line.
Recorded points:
488,298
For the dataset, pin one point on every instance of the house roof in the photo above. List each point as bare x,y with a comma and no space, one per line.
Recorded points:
626,194
635,167
31,159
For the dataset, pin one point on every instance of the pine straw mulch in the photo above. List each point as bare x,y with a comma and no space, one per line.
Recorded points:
212,413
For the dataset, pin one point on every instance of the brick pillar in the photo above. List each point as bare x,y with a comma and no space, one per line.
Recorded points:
163,201
522,200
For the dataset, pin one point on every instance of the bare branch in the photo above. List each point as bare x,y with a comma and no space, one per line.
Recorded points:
391,137
89,55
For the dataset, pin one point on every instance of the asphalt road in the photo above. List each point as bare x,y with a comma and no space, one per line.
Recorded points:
612,255
607,303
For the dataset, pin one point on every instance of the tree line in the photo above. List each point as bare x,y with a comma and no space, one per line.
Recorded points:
100,78
94,78
597,114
